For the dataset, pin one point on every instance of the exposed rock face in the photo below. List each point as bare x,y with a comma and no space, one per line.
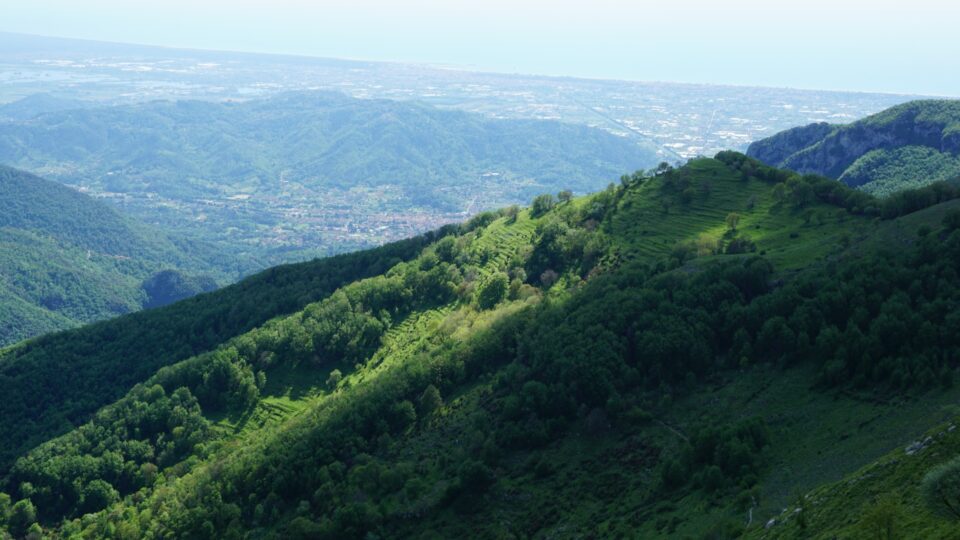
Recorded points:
951,142
777,148
837,151
829,150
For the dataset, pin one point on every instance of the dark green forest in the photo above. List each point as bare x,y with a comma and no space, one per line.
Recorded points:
646,361
67,259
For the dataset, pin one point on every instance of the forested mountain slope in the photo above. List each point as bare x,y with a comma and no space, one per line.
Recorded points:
676,356
56,381
311,173
67,259
906,146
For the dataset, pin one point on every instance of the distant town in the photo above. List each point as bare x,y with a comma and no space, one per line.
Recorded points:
678,121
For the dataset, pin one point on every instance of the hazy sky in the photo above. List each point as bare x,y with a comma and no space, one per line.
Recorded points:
896,46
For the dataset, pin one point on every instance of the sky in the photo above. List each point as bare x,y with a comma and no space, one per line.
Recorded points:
881,45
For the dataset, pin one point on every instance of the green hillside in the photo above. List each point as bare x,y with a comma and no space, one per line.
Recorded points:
676,356
904,147
59,380
883,172
66,259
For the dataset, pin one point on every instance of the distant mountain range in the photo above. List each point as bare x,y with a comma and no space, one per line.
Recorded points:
37,104
314,173
67,259
906,146
680,120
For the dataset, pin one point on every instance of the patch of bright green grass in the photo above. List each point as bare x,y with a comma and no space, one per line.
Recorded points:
789,237
882,496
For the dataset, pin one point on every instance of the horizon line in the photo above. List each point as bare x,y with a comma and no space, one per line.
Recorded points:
445,66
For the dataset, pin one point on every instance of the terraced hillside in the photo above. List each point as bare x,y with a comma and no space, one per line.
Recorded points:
676,356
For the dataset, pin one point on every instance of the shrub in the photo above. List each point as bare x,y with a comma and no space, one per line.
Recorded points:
334,379
548,277
741,244
23,514
492,291
430,400
542,204
98,495
733,219
941,489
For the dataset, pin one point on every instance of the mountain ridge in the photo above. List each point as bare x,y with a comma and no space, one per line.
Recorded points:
836,150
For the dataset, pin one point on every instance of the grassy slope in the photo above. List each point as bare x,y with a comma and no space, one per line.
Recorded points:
599,485
293,390
885,488
791,238
817,437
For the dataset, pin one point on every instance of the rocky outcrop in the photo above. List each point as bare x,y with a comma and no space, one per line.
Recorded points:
829,150
776,149
837,151
951,142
